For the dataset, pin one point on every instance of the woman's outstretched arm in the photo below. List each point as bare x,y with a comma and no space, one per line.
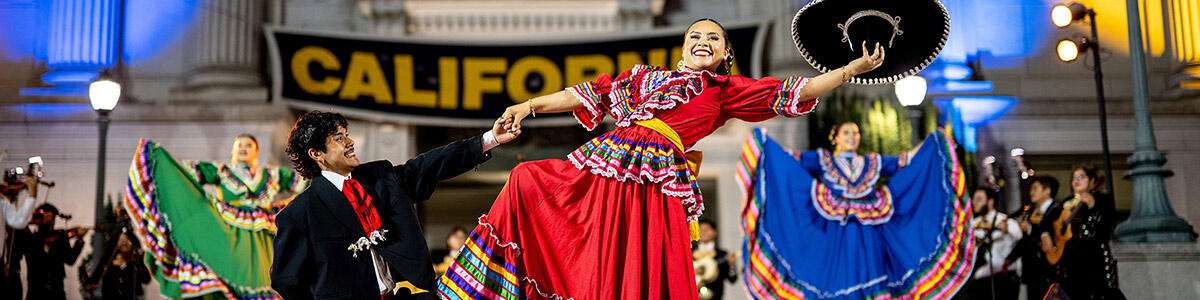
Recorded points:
824,83
557,102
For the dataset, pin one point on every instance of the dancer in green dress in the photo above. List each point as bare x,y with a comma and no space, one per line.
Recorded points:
214,242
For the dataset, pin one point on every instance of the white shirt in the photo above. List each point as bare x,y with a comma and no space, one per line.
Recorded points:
1045,205
338,180
15,216
710,246
1003,242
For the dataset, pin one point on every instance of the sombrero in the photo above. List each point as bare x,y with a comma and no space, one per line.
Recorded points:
829,33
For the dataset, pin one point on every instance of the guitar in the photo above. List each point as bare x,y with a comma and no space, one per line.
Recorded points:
1062,229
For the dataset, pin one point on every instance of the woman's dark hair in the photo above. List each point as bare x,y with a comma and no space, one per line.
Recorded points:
249,136
310,132
1046,182
47,207
990,194
726,67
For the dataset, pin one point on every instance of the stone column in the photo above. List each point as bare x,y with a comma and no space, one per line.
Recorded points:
80,44
225,62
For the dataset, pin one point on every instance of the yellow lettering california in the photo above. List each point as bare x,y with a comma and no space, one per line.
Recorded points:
364,77
300,72
406,95
520,71
474,82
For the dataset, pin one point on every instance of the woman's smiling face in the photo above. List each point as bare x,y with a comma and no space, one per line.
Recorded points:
704,46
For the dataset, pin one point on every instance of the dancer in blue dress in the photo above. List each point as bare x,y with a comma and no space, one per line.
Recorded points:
822,225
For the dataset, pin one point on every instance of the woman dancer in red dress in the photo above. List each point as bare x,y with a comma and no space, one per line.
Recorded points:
616,219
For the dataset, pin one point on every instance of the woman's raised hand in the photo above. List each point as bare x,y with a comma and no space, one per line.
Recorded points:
868,61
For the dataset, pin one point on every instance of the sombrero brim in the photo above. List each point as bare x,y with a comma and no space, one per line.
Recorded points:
923,26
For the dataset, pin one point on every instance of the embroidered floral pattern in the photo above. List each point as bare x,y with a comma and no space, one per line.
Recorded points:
850,183
637,97
868,210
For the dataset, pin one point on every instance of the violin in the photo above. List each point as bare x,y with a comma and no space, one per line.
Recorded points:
68,233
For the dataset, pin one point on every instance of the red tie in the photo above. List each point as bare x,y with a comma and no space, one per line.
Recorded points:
364,208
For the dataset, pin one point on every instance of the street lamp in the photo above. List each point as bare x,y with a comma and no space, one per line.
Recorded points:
911,92
1064,14
1068,50
104,94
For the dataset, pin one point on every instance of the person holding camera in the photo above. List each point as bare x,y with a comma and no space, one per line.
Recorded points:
16,212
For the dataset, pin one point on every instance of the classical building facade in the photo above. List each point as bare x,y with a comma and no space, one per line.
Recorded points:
206,80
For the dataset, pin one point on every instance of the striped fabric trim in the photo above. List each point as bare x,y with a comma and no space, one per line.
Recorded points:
488,268
592,112
140,203
612,156
947,269
762,278
256,218
872,210
786,101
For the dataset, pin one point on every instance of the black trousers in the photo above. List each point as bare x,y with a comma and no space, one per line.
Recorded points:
1004,288
1036,291
10,286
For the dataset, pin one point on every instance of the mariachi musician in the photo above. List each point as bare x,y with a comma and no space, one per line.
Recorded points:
16,215
48,251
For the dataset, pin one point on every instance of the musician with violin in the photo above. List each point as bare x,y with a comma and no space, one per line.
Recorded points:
1076,242
16,212
48,251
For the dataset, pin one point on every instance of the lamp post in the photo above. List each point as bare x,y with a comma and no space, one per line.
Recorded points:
1068,50
104,95
911,92
1151,219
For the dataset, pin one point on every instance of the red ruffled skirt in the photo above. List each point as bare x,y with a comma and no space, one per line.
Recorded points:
559,232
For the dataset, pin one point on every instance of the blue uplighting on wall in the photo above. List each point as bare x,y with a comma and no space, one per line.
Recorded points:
78,39
966,113
947,70
150,26
53,110
1004,31
960,87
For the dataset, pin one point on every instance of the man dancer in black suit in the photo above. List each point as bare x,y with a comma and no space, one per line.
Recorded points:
354,234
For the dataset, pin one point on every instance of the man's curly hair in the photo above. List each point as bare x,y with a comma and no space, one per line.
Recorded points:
310,132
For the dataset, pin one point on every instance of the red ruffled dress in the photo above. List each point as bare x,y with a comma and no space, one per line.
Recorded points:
613,220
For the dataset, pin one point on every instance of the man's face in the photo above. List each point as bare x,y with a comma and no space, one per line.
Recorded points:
456,240
43,218
707,233
339,156
244,150
1037,193
979,202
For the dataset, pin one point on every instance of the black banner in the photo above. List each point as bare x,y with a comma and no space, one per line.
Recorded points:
464,82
